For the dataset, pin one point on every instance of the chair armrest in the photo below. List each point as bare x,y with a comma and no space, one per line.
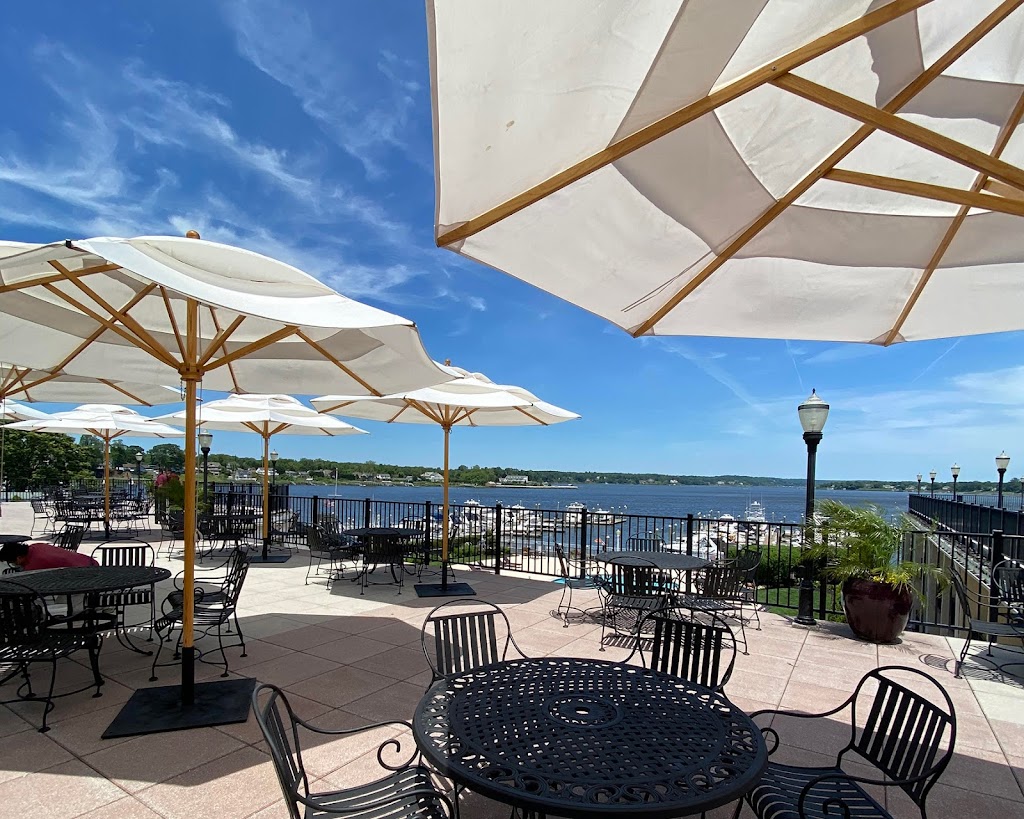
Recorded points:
769,732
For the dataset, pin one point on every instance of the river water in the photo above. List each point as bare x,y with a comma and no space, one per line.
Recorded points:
780,503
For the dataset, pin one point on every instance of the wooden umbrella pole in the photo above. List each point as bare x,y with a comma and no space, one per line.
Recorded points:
190,375
266,495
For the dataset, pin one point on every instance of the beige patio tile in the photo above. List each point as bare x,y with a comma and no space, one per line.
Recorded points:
81,734
397,701
142,761
11,722
348,649
249,732
811,699
394,632
300,639
61,792
127,808
258,651
323,754
405,663
238,784
945,802
977,732
755,685
289,669
984,772
341,686
29,751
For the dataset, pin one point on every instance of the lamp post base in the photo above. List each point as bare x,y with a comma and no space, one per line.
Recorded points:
805,606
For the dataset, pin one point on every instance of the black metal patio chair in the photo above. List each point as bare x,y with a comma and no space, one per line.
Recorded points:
464,634
747,561
975,611
575,576
1008,577
633,588
42,512
907,735
720,589
406,789
128,553
214,608
28,634
697,646
69,537
645,543
331,548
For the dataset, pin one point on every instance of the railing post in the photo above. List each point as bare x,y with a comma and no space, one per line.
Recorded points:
689,534
428,545
366,513
315,517
499,552
993,589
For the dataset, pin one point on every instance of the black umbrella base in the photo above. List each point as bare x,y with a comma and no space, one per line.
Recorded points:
441,590
270,559
155,710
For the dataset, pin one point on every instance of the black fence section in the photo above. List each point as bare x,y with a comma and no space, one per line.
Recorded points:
966,516
119,487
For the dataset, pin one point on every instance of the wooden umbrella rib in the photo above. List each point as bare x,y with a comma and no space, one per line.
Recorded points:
221,338
63,274
911,90
216,326
107,324
114,386
437,414
402,409
337,363
23,388
335,407
281,427
165,296
95,335
903,129
941,193
124,316
954,226
677,119
252,347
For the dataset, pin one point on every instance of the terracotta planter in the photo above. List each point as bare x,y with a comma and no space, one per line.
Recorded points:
876,611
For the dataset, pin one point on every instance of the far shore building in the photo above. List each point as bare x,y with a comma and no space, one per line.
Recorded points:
436,477
515,479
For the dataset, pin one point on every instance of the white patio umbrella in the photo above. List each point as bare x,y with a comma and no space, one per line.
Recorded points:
266,415
13,411
107,422
789,169
468,399
159,309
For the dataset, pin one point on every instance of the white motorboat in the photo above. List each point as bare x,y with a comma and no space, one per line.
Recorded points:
573,513
755,513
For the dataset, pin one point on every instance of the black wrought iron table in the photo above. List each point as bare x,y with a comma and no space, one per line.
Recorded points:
666,561
383,546
5,539
88,579
583,738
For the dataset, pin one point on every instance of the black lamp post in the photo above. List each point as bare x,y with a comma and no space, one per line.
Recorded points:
273,475
919,476
205,441
138,474
932,475
1002,462
813,412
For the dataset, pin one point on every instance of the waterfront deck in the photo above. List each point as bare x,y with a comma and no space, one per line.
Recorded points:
347,659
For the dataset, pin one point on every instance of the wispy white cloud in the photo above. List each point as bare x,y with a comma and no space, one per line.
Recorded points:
290,51
706,364
843,352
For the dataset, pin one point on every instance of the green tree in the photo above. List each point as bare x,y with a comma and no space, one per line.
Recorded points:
167,456
37,459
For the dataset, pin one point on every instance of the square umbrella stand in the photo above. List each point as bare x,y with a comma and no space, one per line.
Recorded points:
155,710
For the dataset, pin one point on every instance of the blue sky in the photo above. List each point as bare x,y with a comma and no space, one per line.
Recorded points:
303,130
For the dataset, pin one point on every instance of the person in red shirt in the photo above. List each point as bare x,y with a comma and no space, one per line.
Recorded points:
30,556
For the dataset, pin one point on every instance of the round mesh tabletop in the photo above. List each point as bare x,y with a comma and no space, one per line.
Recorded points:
85,579
667,561
577,737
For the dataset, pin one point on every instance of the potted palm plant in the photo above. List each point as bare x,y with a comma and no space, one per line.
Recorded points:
861,547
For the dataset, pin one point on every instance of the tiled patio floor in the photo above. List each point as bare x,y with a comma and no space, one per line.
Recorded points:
347,659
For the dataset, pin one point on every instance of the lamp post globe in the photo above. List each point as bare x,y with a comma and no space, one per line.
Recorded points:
919,477
955,472
932,475
812,413
1002,464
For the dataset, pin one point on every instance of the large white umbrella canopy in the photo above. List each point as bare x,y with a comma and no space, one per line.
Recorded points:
786,169
266,415
61,388
467,399
11,410
159,309
107,422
